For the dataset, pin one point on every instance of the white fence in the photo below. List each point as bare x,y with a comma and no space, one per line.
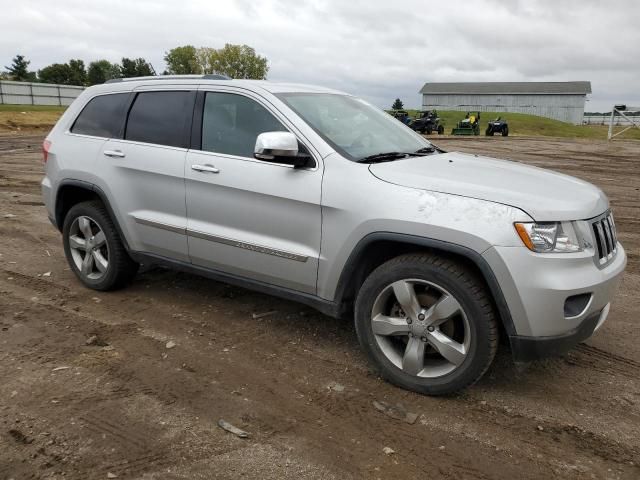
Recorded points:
28,93
606,118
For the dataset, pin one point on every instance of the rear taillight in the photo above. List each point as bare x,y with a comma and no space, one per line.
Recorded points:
46,146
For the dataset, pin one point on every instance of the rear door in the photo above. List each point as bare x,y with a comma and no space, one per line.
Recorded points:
249,217
100,119
144,171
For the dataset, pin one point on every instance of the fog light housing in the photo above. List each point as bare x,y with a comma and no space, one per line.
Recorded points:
575,305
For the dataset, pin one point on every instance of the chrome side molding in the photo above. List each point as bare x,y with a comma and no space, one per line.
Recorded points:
224,240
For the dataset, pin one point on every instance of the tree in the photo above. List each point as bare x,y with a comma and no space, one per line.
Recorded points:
56,73
72,73
204,55
235,61
144,68
102,70
182,60
136,68
77,73
397,104
19,70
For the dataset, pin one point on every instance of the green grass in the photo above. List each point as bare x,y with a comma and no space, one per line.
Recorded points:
32,108
16,118
531,125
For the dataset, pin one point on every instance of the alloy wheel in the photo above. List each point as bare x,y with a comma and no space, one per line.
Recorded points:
421,328
89,248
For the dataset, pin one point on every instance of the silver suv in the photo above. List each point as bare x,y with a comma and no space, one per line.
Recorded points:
315,195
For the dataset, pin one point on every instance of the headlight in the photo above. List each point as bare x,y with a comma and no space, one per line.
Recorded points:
549,237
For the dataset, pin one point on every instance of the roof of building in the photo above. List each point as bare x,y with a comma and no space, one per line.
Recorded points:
521,88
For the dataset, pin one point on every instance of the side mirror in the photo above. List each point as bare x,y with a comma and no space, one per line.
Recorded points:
280,147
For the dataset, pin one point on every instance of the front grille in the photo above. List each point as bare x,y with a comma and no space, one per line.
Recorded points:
604,231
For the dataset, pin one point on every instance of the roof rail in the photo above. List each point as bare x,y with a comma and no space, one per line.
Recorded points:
208,76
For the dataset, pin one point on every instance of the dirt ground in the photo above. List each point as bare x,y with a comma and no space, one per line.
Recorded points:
90,390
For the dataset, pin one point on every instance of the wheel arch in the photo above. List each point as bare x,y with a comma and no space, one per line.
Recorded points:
377,248
71,192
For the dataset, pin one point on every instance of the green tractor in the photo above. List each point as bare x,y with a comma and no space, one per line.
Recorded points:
470,125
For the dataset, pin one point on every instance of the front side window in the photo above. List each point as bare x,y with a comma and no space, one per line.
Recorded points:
352,126
160,118
231,123
103,116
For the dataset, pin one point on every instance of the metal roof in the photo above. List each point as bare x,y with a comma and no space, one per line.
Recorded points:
520,88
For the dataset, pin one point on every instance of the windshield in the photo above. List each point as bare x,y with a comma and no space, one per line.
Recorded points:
352,126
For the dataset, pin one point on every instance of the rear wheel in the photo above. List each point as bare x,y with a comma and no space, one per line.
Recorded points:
93,248
429,131
427,324
440,129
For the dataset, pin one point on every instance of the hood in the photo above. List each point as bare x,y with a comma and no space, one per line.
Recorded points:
543,194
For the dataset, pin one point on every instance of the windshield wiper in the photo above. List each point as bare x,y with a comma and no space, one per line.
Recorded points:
388,156
383,157
429,150
425,150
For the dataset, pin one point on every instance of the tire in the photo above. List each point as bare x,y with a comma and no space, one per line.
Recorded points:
396,355
489,132
505,132
108,265
429,131
440,130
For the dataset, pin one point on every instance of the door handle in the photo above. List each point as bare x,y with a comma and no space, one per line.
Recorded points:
114,153
205,168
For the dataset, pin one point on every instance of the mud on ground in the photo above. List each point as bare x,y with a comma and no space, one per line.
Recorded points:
89,389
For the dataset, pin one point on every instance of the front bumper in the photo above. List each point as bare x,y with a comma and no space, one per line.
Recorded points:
527,349
536,287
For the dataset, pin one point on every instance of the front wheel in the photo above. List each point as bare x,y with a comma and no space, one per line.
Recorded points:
93,248
427,324
440,130
505,132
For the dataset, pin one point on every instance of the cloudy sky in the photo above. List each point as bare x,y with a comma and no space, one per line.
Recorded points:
378,49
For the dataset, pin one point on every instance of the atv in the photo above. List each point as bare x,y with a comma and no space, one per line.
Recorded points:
470,125
497,126
427,122
402,116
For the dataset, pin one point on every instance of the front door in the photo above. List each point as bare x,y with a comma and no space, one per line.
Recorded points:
248,217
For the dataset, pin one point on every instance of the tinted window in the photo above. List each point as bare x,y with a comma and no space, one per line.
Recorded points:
160,117
102,116
231,123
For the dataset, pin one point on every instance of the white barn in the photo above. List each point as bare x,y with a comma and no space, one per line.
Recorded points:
559,100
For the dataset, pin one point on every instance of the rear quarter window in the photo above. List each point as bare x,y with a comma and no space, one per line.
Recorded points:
103,116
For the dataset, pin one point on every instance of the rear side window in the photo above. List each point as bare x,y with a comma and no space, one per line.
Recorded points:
160,117
103,116
231,123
